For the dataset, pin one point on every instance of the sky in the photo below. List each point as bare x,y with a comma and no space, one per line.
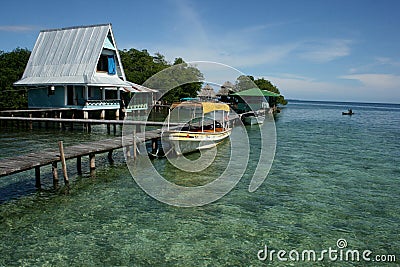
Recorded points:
311,49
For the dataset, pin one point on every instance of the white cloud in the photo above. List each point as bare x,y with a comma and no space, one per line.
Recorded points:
377,81
16,28
325,50
376,64
294,86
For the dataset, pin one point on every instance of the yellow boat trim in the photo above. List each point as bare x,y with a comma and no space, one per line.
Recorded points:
207,106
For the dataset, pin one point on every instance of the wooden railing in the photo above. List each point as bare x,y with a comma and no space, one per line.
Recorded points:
110,103
143,106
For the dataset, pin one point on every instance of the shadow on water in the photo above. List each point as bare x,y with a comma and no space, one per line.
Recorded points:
16,190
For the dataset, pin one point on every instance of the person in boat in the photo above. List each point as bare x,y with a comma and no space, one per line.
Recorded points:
350,111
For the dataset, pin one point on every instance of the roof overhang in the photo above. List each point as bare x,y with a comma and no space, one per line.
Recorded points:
100,81
137,88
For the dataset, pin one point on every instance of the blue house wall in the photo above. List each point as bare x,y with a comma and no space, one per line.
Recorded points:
42,98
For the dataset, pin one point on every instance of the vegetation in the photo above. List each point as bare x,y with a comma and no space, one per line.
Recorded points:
244,82
179,81
12,66
140,67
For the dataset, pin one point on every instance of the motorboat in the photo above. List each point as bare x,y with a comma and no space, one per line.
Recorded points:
206,125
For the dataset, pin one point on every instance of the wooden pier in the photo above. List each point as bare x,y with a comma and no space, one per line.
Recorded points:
53,156
27,122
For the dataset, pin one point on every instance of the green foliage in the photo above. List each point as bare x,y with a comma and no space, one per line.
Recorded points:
244,82
140,65
12,66
154,72
183,78
267,85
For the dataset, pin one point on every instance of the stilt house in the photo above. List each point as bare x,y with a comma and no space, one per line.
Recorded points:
76,67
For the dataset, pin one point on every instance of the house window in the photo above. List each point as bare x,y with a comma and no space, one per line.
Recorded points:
106,64
102,65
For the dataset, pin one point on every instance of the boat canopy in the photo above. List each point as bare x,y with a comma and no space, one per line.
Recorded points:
206,106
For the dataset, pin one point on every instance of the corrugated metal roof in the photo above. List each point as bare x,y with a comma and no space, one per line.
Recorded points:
69,55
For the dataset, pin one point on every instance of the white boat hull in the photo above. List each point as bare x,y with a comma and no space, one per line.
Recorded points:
251,120
182,142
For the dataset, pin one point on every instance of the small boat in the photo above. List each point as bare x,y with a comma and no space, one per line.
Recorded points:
252,118
207,126
349,112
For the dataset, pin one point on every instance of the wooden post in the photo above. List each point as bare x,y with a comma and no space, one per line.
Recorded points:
115,128
55,174
108,128
92,161
109,156
128,151
134,144
30,122
154,145
37,177
79,165
63,163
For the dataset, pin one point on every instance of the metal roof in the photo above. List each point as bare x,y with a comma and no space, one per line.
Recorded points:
137,88
70,56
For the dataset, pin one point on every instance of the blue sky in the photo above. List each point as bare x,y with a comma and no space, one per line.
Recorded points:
315,50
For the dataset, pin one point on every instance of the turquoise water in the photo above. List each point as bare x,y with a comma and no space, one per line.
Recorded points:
333,177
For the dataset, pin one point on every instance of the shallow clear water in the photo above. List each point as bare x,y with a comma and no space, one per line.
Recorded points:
333,177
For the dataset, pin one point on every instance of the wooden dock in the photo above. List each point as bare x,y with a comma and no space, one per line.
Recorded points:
53,156
27,122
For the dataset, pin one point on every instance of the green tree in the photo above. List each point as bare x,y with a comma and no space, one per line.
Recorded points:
244,82
12,66
185,79
264,84
140,65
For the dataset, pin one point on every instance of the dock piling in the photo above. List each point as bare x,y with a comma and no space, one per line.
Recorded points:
110,158
79,164
37,177
55,174
134,144
63,163
92,161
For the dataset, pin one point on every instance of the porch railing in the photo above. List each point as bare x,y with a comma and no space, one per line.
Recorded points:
108,103
143,106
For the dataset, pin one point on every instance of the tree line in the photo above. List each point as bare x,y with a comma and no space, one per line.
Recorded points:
139,66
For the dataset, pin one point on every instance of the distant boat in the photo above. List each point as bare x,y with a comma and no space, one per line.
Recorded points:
199,133
349,112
